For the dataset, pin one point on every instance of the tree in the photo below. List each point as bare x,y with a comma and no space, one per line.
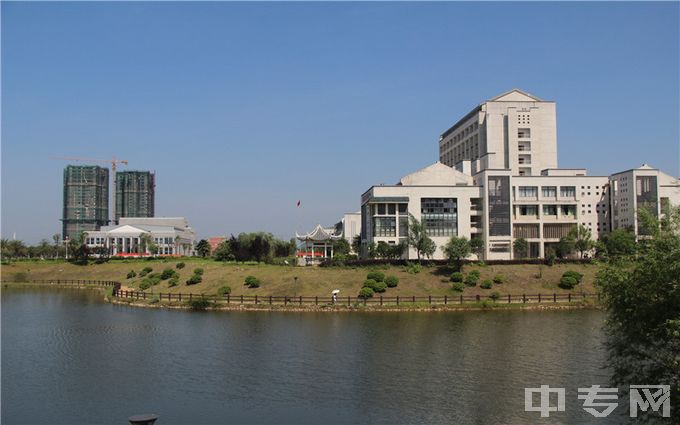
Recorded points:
477,247
356,244
261,246
223,252
642,303
456,250
418,238
341,247
582,238
565,247
144,241
521,248
383,250
203,248
620,243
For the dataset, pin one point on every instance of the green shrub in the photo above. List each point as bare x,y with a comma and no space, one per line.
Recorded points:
144,284
252,282
471,279
198,271
576,275
568,282
486,284
457,277
145,271
495,295
198,304
413,268
224,290
380,287
370,283
173,282
474,273
155,280
131,274
377,276
458,286
168,273
550,257
499,279
154,300
392,281
193,280
180,265
366,292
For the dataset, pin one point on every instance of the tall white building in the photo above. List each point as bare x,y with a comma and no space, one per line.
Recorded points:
515,131
498,180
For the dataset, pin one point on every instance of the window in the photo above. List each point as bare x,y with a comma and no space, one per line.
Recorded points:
569,210
384,226
550,210
403,209
549,191
528,191
403,227
499,205
568,191
439,216
528,210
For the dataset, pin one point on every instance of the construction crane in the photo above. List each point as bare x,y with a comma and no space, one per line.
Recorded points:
114,163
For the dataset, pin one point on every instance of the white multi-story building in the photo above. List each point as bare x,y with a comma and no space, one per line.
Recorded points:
498,180
171,235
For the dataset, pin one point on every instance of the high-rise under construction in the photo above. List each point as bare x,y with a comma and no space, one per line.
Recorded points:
135,194
86,199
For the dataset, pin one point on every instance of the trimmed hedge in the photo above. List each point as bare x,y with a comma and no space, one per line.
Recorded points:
392,281
180,265
471,279
366,292
377,276
486,284
568,282
193,280
457,277
458,286
224,290
499,279
252,282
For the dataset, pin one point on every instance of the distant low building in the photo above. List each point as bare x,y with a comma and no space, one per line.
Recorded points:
135,237
215,242
316,245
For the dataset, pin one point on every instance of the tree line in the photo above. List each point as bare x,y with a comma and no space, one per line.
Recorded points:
255,246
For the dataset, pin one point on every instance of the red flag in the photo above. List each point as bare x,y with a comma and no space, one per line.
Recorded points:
298,204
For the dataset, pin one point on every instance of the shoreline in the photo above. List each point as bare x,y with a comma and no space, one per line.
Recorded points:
325,308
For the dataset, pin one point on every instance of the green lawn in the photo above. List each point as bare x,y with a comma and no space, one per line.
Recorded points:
312,281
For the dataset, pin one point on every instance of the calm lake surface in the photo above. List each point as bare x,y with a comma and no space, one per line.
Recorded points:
68,358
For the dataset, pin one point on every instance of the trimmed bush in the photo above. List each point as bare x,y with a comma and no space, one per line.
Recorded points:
474,273
173,282
252,282
576,275
224,290
155,280
168,273
366,292
377,276
198,271
413,268
144,285
495,296
458,286
154,300
471,279
131,274
380,287
499,279
145,271
193,280
486,284
179,265
392,281
457,277
568,282
370,283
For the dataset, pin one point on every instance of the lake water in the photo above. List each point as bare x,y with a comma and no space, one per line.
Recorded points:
68,357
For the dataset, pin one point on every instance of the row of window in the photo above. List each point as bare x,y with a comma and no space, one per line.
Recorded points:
548,210
546,191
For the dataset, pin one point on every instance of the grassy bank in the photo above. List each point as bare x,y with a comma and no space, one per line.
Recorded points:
311,281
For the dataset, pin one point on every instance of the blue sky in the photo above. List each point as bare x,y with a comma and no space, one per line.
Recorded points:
242,109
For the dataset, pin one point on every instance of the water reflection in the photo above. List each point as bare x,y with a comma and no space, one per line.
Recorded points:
69,358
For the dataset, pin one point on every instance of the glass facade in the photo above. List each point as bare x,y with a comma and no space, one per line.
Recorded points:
439,216
499,205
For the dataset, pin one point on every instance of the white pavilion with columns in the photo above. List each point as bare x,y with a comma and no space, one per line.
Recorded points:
316,246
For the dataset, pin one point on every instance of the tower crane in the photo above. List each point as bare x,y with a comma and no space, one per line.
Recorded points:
114,163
